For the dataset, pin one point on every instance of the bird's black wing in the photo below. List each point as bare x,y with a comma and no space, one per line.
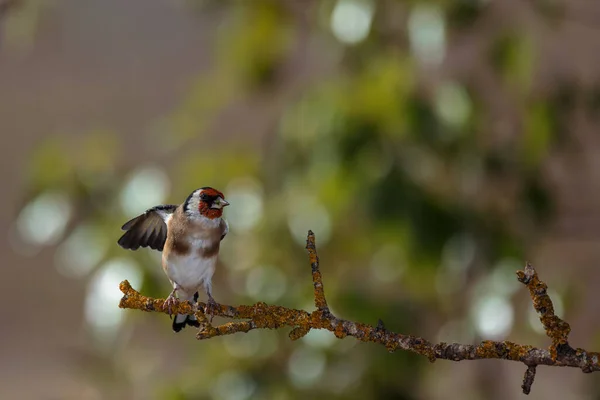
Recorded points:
224,228
148,229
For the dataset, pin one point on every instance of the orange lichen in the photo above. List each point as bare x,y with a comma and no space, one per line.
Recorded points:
557,329
424,348
320,301
319,292
488,349
233,327
391,346
505,350
298,332
339,331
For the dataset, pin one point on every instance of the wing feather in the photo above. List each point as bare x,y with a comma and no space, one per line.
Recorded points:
148,229
224,228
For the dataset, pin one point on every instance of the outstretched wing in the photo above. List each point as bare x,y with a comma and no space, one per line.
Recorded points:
148,229
224,228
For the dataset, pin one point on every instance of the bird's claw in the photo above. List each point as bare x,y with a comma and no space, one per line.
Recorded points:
211,308
170,302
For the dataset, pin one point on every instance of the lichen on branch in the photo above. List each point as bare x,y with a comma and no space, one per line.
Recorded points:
264,316
557,329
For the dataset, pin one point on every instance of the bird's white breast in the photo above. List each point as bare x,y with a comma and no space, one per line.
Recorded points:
193,270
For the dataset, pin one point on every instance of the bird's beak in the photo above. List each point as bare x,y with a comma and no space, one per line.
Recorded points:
220,202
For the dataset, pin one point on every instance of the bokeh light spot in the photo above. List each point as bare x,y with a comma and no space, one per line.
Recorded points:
145,188
305,213
266,283
453,105
102,312
246,198
493,317
351,20
458,252
388,263
502,278
427,33
44,219
319,338
233,385
305,367
81,252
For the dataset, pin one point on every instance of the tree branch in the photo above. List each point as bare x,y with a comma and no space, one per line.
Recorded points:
263,316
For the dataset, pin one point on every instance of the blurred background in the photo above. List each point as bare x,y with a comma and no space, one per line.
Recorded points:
433,147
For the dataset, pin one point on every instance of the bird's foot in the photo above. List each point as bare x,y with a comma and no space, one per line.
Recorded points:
170,302
211,308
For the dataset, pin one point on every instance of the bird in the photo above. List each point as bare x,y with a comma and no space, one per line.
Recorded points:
189,236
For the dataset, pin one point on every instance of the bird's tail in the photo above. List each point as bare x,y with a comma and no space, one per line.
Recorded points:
181,320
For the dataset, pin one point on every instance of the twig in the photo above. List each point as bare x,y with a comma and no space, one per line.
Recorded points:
557,329
320,301
528,379
263,316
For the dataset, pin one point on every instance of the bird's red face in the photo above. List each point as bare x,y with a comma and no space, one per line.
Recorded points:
211,203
